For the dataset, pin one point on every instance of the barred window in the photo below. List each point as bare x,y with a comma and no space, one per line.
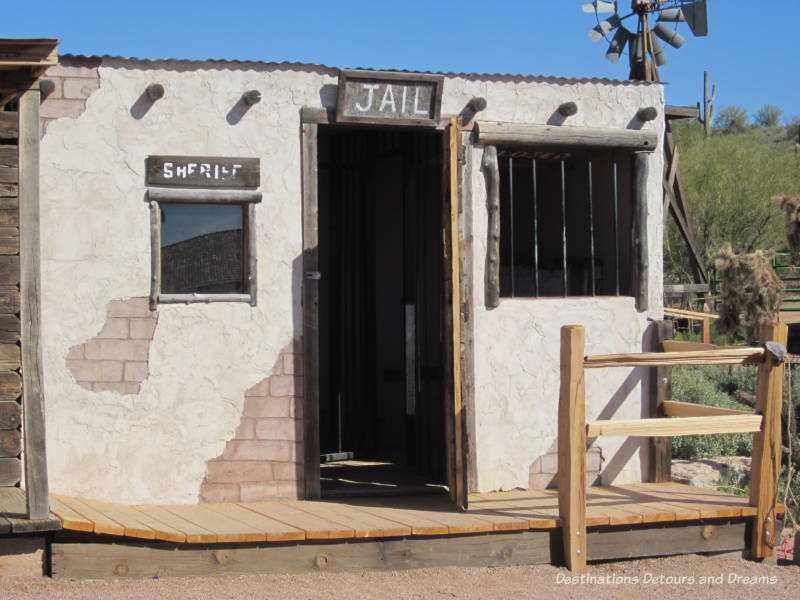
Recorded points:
566,221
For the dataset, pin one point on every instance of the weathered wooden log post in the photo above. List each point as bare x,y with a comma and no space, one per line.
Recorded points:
766,458
30,312
492,170
661,391
572,448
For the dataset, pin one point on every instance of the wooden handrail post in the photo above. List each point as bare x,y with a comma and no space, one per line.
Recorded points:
572,448
766,459
706,324
661,391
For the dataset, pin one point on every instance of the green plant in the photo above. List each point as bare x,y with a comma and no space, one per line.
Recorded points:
710,446
729,180
718,385
768,115
717,338
733,378
734,483
731,119
702,385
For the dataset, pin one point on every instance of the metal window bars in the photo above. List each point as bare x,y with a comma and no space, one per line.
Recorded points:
535,200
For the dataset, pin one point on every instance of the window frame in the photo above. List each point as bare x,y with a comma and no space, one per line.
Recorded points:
246,199
562,155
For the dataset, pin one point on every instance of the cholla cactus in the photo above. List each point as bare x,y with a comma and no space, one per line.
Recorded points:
792,207
751,292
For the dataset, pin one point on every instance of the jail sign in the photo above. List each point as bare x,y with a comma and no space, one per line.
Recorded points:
203,171
387,97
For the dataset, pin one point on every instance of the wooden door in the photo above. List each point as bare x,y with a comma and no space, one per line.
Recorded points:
454,410
311,277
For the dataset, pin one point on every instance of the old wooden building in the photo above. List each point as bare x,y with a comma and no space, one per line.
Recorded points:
283,281
320,211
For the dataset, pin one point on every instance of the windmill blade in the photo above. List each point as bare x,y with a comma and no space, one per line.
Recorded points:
696,14
617,44
636,52
603,28
672,15
600,7
669,35
658,52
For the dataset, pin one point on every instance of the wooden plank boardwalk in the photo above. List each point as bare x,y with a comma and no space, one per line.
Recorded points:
14,518
394,517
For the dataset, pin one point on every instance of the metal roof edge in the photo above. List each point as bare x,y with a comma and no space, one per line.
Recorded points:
181,64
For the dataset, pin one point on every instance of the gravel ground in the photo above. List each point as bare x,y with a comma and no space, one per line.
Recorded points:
693,576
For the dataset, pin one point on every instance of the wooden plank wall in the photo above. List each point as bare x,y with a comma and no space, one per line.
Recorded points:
10,384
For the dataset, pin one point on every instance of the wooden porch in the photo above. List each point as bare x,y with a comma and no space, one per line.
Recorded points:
14,517
100,539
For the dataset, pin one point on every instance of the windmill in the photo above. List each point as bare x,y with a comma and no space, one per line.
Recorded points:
646,54
644,45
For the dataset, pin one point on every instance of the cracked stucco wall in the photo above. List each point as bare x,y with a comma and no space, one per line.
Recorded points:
155,446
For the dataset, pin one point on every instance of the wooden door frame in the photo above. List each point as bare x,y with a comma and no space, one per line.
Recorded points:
460,365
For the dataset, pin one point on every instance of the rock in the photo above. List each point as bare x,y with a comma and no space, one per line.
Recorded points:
712,472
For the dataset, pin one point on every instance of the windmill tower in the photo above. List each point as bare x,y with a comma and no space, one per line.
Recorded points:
633,32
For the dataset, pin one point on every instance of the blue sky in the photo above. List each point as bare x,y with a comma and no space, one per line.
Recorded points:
750,51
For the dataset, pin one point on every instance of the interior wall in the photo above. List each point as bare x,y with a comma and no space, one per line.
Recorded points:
389,337
380,251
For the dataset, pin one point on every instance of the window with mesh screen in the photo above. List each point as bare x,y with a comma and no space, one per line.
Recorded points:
203,248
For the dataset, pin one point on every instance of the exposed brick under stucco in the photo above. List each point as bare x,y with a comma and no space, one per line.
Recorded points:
75,79
543,473
116,359
264,460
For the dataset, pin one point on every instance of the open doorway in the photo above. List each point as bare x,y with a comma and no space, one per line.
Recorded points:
381,404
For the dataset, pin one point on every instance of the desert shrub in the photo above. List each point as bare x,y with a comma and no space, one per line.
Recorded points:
707,385
768,115
702,385
730,378
729,180
710,446
731,119
716,386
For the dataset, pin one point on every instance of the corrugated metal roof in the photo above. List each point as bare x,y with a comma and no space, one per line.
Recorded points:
167,63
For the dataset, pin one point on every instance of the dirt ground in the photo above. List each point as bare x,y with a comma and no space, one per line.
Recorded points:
693,576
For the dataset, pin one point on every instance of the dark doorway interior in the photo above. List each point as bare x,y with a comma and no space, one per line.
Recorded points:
380,241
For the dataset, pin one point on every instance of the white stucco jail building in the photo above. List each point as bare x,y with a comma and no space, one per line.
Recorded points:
249,269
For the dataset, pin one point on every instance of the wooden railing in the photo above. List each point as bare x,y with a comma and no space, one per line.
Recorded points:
693,315
689,419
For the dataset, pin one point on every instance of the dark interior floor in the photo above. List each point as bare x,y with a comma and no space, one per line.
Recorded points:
366,478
